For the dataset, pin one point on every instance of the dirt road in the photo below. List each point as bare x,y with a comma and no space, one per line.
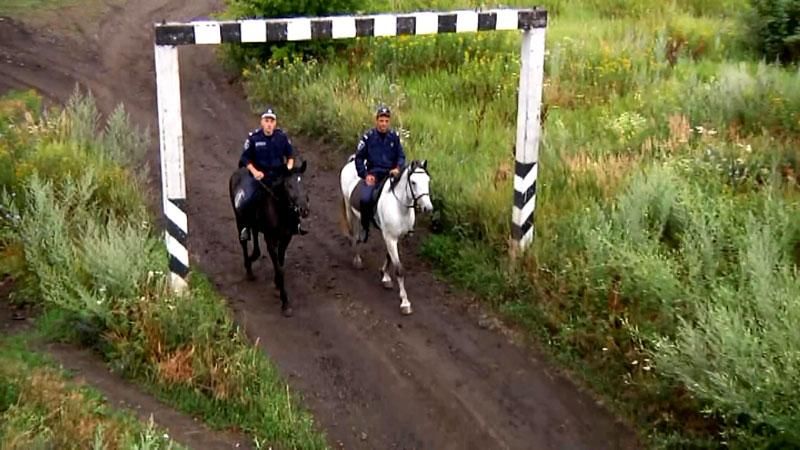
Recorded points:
374,379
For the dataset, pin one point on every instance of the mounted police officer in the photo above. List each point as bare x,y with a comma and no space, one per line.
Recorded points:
268,153
379,154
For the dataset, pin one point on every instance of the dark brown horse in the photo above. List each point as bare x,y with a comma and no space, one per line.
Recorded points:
273,213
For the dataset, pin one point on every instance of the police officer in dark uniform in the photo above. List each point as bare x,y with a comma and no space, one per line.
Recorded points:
379,154
268,152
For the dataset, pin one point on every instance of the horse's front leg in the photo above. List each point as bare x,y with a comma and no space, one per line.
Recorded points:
386,278
399,273
274,250
248,261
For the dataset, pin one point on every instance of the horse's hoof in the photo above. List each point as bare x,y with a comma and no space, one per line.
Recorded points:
358,264
387,284
406,310
287,312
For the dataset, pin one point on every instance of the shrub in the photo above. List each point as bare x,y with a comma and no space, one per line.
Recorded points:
775,26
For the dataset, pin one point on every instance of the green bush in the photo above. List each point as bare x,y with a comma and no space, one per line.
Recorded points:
775,27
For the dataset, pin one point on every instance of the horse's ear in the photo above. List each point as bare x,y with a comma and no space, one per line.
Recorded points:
425,164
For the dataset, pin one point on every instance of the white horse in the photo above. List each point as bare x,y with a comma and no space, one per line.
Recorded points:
394,215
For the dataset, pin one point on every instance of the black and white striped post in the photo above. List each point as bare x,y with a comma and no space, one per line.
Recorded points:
169,36
531,82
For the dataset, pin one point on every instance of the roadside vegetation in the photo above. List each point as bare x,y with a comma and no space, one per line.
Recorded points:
40,408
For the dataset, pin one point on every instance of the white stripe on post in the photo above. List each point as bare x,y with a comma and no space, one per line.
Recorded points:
466,21
254,30
298,29
170,125
385,25
531,83
343,27
427,23
207,33
177,216
522,184
177,250
507,19
526,210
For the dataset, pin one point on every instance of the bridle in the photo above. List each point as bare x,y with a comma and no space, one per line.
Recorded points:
415,198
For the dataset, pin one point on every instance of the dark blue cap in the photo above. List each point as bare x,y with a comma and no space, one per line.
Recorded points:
383,111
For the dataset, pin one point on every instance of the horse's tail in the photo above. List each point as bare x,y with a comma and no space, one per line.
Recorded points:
344,222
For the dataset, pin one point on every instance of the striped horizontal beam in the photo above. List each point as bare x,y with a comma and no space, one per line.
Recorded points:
344,27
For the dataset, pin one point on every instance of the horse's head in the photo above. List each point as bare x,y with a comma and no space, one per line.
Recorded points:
298,197
419,181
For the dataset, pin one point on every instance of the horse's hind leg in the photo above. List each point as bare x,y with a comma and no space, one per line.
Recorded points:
354,224
386,279
391,246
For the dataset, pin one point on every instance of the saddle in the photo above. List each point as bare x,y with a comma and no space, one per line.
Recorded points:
355,196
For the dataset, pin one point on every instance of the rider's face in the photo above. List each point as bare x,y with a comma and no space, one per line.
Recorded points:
268,124
382,123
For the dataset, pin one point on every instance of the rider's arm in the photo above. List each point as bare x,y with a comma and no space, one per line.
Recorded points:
247,155
288,153
361,157
401,155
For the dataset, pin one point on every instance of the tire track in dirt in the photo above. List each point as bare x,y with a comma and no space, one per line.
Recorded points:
373,379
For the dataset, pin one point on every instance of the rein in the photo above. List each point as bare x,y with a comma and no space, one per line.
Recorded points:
272,194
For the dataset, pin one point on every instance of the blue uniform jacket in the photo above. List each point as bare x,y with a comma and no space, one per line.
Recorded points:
267,153
378,153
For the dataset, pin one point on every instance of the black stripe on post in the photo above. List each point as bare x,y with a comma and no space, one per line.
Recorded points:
177,267
175,35
447,23
523,169
180,203
406,25
277,31
487,21
522,198
321,29
532,19
176,232
230,32
518,231
365,27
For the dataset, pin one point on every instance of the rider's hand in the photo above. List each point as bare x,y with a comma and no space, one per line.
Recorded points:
371,180
394,172
258,175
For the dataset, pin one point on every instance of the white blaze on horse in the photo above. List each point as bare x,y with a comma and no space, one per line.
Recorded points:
394,215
